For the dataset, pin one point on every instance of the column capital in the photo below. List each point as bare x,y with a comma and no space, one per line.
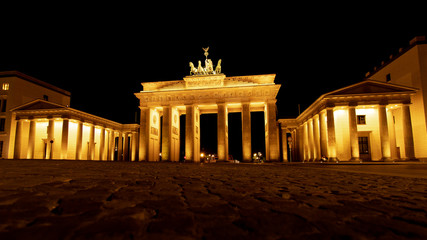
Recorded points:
322,112
317,115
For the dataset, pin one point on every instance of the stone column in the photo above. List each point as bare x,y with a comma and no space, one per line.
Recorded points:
384,137
316,137
102,144
120,147
408,138
50,138
189,133
134,144
311,147
222,125
306,141
111,140
18,139
79,140
392,134
91,149
64,140
246,133
293,147
354,140
126,147
273,153
284,144
31,139
323,134
332,149
166,133
175,129
192,133
144,133
300,140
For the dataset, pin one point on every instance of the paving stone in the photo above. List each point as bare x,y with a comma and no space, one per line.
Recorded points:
119,200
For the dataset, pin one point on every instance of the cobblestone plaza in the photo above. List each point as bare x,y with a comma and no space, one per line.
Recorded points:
42,199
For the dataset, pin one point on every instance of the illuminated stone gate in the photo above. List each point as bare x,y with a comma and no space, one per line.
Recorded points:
205,90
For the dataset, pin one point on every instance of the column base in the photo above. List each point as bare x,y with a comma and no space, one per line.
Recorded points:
386,159
355,159
333,159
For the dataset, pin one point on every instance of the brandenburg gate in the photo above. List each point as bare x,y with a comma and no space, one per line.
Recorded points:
205,90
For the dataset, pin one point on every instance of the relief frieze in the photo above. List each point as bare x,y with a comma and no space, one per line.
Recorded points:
214,95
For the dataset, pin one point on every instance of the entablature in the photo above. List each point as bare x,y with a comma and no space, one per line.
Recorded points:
203,96
74,115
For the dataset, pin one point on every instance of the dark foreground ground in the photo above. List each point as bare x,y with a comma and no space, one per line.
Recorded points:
117,200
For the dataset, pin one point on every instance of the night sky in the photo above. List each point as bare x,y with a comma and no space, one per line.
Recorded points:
101,53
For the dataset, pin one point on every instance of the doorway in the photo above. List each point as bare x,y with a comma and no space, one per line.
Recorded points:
364,146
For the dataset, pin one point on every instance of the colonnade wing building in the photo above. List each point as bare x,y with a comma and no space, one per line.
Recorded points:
36,122
382,118
201,94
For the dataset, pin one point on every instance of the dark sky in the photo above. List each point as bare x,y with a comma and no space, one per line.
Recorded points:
101,53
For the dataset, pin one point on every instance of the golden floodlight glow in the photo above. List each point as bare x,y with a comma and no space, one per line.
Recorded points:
206,91
234,104
365,111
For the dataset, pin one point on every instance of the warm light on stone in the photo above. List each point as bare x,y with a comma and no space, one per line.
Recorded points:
211,93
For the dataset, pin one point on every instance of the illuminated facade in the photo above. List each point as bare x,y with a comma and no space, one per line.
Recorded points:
409,68
46,130
36,122
205,91
369,120
17,89
204,94
383,118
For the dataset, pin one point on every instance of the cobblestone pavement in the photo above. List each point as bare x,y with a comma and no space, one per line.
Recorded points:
118,200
